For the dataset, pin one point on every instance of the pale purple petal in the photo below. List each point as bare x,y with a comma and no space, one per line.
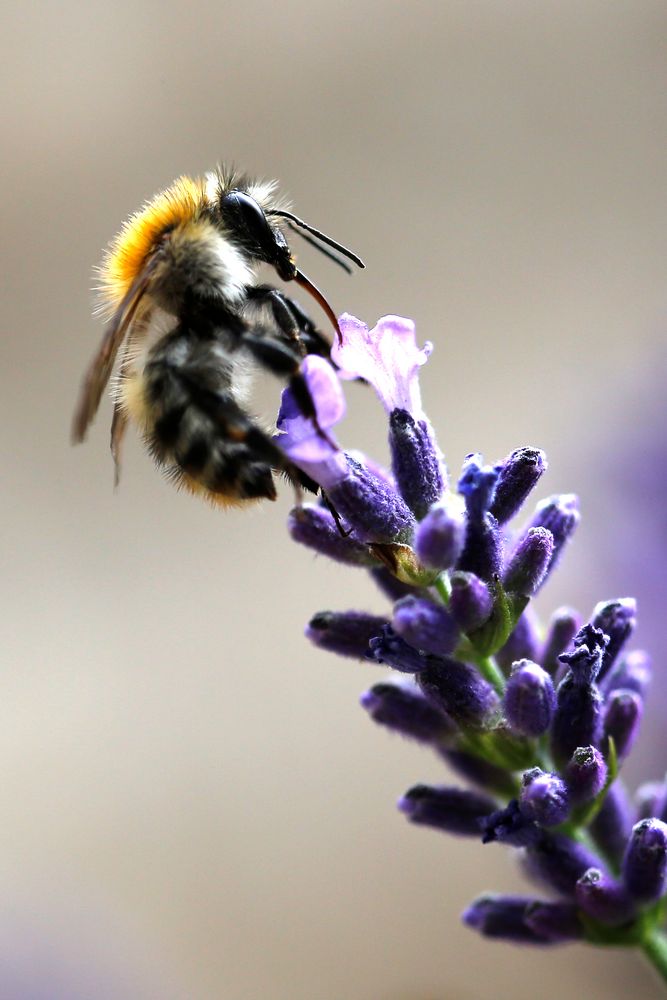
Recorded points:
387,357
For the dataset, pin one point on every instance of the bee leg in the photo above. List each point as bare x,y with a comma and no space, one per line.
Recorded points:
281,360
336,516
291,320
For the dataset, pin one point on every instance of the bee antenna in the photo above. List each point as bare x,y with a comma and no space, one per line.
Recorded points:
320,236
318,246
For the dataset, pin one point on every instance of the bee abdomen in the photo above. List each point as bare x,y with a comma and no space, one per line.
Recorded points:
196,429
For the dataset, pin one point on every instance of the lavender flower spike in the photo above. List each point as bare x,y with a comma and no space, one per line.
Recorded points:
535,726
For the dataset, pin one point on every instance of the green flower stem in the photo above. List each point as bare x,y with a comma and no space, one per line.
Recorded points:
654,947
444,588
491,672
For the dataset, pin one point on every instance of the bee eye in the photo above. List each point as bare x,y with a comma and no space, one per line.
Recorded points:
249,220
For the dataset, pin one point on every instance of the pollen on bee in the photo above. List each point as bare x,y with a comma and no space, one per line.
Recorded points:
127,253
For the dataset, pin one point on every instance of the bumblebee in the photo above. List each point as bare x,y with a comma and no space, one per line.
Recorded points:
189,320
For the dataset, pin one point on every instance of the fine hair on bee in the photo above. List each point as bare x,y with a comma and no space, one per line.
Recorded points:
187,319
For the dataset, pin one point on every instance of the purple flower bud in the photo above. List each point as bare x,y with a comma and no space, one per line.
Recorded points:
502,917
529,562
390,586
425,625
458,689
407,711
544,797
560,515
617,619
453,810
479,772
477,486
344,632
522,920
563,627
585,775
554,922
645,861
510,825
578,718
389,648
559,861
315,527
518,475
613,823
471,602
415,461
523,643
530,699
371,506
440,536
633,673
622,718
651,800
482,551
604,899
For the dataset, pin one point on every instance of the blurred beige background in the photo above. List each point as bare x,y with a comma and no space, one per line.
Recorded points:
193,804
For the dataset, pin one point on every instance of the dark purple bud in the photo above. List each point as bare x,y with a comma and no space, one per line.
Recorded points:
389,648
617,619
544,797
645,861
482,552
523,643
633,673
518,474
651,800
560,515
459,690
344,632
604,899
370,505
471,602
622,719
563,627
425,625
415,461
479,772
585,775
613,823
530,699
477,486
453,810
408,712
559,861
315,527
510,825
440,536
578,718
554,922
529,562
390,586
502,917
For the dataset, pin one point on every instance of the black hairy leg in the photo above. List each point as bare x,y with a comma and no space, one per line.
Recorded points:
293,322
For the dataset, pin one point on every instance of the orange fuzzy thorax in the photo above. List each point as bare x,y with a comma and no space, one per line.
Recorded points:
127,253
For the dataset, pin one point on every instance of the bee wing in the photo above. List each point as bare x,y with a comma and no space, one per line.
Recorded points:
99,369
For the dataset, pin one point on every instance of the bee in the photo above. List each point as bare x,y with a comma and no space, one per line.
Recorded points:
188,319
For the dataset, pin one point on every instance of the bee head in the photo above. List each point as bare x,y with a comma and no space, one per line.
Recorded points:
256,235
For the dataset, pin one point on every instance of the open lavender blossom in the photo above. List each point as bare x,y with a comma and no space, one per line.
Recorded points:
535,722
